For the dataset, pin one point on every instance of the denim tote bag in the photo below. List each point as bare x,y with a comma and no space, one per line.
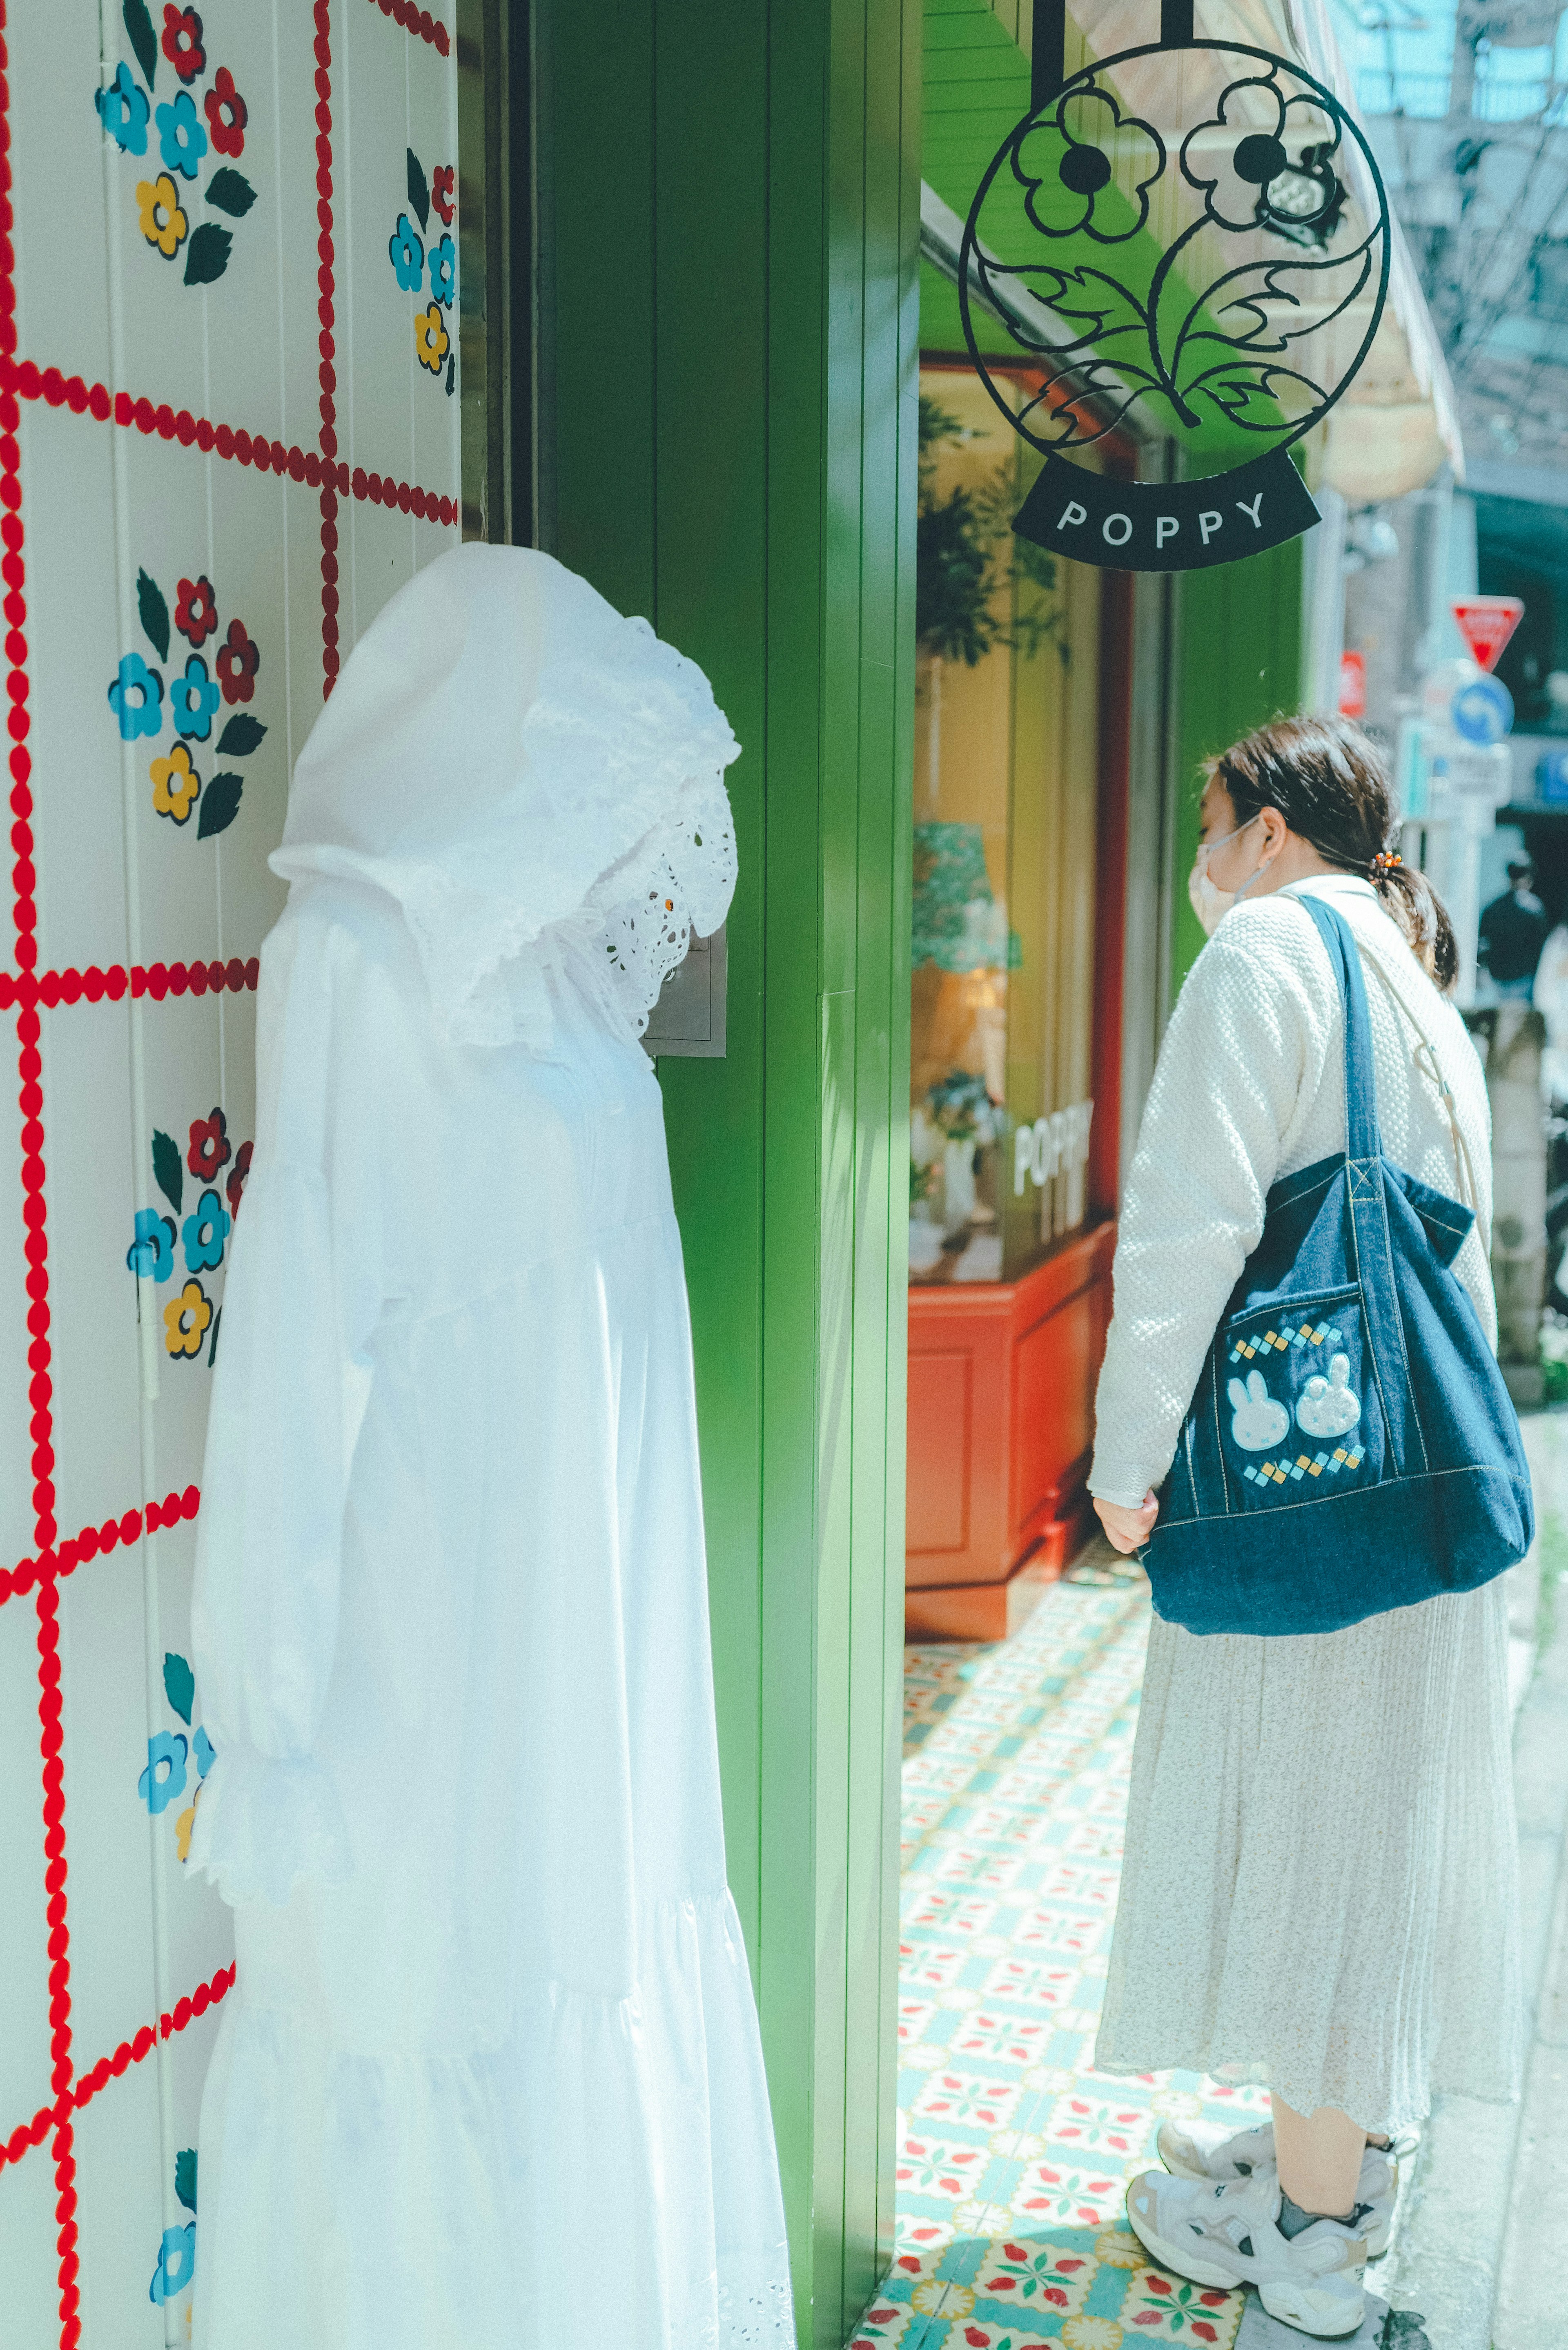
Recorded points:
1351,1445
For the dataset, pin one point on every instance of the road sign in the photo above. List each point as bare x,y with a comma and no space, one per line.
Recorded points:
1482,711
1353,685
1487,622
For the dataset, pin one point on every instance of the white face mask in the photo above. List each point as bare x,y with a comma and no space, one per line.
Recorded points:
1211,904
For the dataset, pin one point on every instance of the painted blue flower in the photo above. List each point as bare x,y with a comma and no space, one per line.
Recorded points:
176,2263
152,1253
167,1755
123,108
180,138
193,698
443,271
408,254
136,698
205,1233
205,1753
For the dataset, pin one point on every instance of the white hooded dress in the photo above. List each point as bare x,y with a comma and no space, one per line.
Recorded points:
490,2077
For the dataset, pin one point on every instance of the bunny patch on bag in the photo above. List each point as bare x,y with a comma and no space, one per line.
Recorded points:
1329,1406
1259,1422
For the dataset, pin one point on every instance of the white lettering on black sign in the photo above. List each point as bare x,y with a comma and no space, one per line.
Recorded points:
1166,525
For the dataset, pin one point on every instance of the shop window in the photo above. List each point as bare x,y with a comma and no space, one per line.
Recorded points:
1006,798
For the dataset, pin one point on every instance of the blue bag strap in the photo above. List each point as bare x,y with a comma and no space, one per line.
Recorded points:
1364,1141
1366,1210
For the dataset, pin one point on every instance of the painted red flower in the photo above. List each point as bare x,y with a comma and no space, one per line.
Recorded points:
239,657
443,182
196,611
238,1172
227,114
1204,2333
1157,2283
182,42
210,1148
972,2333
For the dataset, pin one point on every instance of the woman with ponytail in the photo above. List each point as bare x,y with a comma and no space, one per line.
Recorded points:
1319,1888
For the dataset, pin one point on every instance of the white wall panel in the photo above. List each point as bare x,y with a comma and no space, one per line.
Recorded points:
183,446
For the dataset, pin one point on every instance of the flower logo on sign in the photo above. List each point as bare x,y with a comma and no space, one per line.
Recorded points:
141,700
411,254
1224,277
1064,169
132,115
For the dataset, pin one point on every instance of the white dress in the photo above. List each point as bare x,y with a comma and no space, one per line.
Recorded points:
490,2076
1319,1892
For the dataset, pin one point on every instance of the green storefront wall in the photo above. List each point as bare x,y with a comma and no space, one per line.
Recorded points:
729,209
1238,663
729,205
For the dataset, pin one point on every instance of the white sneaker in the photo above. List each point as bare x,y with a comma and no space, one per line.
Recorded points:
1247,2153
1229,2235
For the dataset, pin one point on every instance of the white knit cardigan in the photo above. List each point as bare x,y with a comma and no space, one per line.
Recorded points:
1250,1085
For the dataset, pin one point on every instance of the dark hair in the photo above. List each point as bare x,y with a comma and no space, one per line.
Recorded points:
1326,779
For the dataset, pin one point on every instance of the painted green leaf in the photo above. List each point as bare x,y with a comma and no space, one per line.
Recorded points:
143,39
185,2176
241,735
231,192
154,612
207,255
418,193
167,1167
220,805
179,1685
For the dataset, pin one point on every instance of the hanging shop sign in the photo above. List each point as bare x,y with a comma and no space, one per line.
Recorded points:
1210,271
1486,624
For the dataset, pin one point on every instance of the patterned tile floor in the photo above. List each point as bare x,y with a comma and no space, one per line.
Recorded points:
1014,2154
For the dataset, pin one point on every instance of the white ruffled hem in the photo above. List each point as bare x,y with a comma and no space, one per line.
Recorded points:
607,2172
262,1827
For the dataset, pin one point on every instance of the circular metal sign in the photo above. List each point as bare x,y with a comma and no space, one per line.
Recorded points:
1214,279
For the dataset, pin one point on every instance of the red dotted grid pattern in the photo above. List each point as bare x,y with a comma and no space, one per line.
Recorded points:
418,21
41,1574
16,1582
27,381
157,980
326,313
85,2087
36,1249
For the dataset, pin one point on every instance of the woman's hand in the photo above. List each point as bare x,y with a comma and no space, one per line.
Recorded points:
1127,1529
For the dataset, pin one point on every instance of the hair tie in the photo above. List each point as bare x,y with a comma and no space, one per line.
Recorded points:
1384,863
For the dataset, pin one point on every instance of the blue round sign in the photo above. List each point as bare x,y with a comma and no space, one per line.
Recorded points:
1552,775
1482,711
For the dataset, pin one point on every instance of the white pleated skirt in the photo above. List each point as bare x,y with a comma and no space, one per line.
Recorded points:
1320,1888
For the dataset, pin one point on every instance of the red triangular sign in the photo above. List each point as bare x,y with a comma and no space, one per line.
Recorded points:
1487,622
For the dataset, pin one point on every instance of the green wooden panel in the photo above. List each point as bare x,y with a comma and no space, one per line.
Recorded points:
1240,663
733,313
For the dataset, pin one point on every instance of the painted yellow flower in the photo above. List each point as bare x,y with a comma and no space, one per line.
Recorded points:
936,2297
1118,2250
1082,2333
430,338
162,221
183,1828
185,1319
175,784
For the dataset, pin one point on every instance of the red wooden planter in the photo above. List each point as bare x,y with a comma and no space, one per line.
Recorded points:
1002,1387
